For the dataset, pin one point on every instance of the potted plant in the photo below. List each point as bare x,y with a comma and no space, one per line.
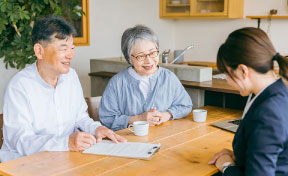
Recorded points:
17,18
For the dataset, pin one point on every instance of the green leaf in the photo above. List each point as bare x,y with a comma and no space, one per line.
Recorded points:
9,6
11,64
26,16
18,51
3,8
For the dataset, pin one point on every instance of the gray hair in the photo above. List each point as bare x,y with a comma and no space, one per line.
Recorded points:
131,35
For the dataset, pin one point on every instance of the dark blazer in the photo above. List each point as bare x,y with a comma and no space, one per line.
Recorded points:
261,142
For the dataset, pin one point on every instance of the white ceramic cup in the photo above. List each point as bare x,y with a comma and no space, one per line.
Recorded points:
199,115
140,128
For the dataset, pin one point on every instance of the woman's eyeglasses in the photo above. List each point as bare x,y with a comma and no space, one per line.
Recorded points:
152,55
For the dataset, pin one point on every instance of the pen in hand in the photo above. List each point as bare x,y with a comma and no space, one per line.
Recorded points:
94,139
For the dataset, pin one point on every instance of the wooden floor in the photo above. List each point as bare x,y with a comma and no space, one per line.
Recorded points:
186,149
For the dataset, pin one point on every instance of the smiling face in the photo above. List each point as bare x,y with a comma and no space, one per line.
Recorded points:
148,50
57,55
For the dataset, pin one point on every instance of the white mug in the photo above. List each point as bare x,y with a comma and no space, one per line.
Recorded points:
141,128
199,115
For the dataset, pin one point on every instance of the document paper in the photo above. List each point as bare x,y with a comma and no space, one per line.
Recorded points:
128,149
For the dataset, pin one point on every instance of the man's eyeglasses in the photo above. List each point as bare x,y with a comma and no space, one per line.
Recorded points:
152,55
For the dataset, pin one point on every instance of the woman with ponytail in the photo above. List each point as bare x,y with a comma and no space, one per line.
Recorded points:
260,145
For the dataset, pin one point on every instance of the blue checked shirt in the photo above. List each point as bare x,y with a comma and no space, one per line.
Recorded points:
123,98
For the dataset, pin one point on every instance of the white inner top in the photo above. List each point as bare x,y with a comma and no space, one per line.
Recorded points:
144,81
250,101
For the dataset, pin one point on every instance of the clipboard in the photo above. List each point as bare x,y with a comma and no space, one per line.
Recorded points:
128,149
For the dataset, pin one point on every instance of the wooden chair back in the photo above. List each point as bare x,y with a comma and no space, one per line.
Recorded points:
93,107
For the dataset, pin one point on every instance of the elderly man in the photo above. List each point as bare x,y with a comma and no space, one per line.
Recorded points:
44,104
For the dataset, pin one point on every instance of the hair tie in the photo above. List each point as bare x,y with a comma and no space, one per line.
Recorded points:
275,58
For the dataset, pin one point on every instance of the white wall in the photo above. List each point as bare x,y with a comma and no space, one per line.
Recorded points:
108,20
208,35
5,76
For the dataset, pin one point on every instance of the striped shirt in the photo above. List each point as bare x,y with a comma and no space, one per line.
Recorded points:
123,98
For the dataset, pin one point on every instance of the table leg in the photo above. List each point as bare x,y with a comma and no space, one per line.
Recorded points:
223,100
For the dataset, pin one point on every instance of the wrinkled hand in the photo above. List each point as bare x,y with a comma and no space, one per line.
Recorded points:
102,132
165,116
79,141
219,154
152,116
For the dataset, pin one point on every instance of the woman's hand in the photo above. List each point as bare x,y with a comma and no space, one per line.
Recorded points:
156,118
222,157
165,116
219,154
152,116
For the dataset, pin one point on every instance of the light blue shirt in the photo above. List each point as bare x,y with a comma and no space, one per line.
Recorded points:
123,98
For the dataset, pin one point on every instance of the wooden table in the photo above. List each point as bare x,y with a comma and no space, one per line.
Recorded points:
217,92
216,85
186,149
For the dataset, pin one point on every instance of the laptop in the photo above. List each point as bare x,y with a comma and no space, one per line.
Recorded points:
228,125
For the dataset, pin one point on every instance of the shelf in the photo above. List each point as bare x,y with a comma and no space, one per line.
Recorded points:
210,0
178,5
273,16
266,17
210,9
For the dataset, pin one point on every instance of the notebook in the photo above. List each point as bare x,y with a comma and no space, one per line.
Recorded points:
127,149
229,125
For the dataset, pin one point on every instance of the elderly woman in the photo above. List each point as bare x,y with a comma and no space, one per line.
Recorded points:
144,91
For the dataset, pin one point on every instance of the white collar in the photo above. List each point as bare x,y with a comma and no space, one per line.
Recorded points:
43,82
135,75
251,100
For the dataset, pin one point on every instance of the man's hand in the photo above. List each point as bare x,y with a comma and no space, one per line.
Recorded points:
102,132
80,141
